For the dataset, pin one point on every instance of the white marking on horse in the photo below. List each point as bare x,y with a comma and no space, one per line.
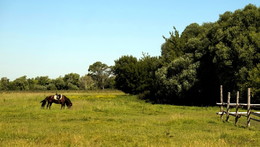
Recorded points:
55,97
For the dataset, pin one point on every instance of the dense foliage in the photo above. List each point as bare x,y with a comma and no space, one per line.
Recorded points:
193,65
136,76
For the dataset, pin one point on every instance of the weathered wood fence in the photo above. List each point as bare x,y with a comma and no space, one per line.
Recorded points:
238,114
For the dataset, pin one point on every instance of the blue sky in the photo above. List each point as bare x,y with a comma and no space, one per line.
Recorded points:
56,37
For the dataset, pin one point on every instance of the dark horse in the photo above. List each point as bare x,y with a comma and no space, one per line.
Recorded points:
57,99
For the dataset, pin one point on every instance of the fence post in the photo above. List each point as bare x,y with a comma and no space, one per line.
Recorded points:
221,101
237,106
248,107
228,107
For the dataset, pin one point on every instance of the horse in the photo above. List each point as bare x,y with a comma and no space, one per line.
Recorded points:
57,99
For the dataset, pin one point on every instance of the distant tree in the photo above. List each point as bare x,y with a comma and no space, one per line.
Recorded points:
59,83
52,86
43,80
72,81
126,73
20,84
4,83
86,83
39,83
147,67
32,83
71,86
39,87
136,76
100,73
110,84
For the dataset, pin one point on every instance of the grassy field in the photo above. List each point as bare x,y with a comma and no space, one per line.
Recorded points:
113,118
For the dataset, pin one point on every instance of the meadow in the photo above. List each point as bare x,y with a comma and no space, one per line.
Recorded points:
112,118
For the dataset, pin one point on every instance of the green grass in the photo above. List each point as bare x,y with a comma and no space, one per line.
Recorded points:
113,118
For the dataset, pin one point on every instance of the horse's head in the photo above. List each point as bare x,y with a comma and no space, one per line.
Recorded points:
69,105
68,102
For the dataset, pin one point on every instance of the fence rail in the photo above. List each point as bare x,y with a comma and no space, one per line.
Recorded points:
237,114
240,104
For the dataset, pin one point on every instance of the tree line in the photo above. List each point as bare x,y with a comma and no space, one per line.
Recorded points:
189,71
196,62
99,77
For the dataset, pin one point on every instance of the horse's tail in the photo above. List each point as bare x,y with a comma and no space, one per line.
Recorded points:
43,103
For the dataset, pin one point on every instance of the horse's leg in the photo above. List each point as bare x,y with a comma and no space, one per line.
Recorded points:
50,105
62,105
47,105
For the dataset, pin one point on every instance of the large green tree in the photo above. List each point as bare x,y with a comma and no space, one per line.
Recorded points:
126,73
136,76
235,47
225,52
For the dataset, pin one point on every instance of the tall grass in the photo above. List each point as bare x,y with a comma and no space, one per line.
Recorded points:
115,119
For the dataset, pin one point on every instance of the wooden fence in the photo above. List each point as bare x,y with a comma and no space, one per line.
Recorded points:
237,114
